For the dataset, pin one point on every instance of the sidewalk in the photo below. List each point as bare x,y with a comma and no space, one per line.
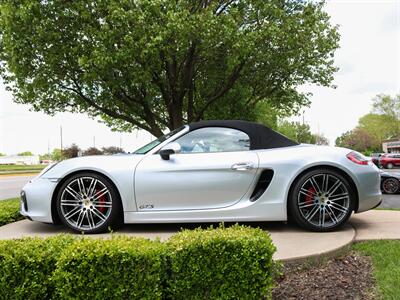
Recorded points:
292,243
377,225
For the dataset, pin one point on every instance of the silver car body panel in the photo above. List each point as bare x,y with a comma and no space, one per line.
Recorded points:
203,187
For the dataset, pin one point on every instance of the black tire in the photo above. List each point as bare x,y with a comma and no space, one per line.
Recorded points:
390,186
96,206
389,166
308,201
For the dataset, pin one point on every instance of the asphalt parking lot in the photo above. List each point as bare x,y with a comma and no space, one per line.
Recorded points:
10,186
390,201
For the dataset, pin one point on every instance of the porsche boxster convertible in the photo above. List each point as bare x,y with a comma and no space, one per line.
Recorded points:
210,171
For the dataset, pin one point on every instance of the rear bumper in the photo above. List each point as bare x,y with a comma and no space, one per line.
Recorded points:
369,203
369,188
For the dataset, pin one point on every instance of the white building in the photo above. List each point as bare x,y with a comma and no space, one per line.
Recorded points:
19,160
391,146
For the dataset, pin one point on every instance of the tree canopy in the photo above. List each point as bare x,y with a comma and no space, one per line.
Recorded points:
360,140
300,133
92,151
112,150
25,153
387,105
381,124
159,64
71,151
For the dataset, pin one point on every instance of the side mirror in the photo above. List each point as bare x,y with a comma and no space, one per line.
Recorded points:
167,150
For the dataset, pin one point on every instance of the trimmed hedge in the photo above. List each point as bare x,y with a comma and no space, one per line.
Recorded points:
27,265
119,268
222,263
9,211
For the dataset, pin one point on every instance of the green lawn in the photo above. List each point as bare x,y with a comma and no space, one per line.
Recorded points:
385,257
22,168
9,211
387,208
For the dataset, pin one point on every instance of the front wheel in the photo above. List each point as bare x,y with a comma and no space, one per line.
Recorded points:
88,202
389,166
321,200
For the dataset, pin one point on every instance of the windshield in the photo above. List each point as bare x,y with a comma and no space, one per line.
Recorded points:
155,143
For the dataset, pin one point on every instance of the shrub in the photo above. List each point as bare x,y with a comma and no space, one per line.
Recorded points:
222,263
120,268
26,267
9,211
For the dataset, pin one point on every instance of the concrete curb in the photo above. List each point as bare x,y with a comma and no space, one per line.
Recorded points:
317,258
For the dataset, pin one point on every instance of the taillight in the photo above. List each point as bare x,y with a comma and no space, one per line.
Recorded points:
357,158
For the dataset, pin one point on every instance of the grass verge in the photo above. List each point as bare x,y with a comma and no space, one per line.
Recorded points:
22,167
386,267
14,169
9,211
387,208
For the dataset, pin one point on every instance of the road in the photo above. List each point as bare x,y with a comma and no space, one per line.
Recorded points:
10,186
390,201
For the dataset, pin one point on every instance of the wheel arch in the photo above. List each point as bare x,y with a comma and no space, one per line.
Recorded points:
54,214
333,168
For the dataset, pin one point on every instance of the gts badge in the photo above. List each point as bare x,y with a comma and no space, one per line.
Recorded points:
146,206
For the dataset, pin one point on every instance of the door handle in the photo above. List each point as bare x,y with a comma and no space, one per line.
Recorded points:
243,166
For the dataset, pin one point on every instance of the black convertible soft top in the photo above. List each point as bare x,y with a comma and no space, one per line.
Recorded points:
261,137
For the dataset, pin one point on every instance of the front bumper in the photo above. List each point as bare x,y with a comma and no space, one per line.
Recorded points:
36,197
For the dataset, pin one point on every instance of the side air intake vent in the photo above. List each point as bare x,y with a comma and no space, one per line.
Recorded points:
263,182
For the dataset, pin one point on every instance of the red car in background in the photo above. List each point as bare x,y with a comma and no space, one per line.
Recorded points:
389,161
375,158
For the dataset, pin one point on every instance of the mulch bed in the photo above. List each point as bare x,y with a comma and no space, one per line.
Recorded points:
346,277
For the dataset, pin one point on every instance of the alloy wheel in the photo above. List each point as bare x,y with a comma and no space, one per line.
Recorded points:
324,200
390,185
86,203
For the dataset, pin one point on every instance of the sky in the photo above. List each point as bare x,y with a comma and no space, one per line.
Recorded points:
368,58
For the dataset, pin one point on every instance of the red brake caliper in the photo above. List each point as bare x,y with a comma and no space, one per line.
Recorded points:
101,201
309,197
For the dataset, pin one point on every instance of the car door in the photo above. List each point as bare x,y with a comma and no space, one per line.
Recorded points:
396,160
215,169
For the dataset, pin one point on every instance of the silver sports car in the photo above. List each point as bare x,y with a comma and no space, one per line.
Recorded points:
209,171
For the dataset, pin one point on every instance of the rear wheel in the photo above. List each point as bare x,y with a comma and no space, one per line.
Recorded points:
88,202
321,200
390,185
389,166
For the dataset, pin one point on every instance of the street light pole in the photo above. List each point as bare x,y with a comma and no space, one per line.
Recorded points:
61,138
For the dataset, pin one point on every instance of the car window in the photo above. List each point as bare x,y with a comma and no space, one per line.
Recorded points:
155,143
214,139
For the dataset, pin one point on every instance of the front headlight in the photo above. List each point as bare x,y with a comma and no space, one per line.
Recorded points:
50,166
